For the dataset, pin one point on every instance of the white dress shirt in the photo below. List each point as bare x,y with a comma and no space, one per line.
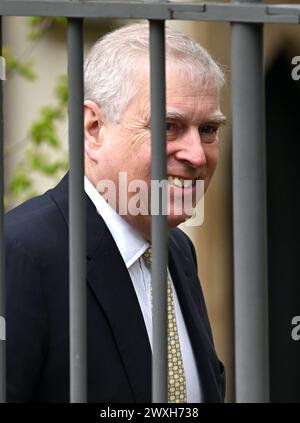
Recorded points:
132,246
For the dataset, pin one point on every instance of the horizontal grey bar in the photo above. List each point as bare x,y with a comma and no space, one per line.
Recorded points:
284,9
221,12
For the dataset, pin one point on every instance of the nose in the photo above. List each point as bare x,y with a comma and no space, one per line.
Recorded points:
191,150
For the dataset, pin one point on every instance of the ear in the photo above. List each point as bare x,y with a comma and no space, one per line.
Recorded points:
93,123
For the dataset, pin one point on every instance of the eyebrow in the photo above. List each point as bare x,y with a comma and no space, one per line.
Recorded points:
216,119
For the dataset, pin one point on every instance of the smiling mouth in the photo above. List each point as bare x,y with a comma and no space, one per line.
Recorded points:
181,182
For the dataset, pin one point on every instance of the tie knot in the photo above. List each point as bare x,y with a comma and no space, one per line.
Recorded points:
147,256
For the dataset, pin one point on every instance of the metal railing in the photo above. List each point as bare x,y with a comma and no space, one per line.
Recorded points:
249,222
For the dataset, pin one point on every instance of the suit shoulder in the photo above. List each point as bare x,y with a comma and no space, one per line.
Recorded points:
33,223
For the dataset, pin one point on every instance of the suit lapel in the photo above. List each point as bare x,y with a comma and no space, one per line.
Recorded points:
206,360
109,279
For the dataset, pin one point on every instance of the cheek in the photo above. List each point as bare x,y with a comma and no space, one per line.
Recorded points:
212,157
138,164
141,152
137,149
140,141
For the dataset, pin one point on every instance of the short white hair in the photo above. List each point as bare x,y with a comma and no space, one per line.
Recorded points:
116,59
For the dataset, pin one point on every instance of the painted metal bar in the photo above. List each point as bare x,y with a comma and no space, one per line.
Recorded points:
159,222
249,214
2,252
219,12
77,216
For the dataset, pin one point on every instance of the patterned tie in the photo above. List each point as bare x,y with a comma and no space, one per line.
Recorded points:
176,376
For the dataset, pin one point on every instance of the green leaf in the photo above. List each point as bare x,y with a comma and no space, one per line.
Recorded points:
13,64
61,90
41,131
40,24
35,20
41,163
26,71
19,183
61,20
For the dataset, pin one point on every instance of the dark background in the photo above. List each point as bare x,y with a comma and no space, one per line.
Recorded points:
283,158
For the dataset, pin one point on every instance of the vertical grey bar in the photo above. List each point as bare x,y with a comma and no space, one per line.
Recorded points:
249,214
159,222
2,274
77,218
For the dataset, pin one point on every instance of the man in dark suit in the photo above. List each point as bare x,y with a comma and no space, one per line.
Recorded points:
119,324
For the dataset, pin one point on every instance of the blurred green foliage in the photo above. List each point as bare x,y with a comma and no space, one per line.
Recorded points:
15,65
40,24
43,139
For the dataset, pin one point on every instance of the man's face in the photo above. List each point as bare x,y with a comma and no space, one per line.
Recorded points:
193,119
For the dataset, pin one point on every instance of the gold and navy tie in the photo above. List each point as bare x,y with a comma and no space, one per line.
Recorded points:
176,376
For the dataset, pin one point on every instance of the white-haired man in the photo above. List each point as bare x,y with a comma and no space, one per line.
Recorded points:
118,143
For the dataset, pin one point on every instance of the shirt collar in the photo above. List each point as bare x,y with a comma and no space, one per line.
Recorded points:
129,242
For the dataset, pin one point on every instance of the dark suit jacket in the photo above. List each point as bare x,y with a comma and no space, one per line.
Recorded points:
37,309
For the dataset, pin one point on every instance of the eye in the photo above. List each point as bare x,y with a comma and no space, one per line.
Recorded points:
171,126
173,129
208,129
208,133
